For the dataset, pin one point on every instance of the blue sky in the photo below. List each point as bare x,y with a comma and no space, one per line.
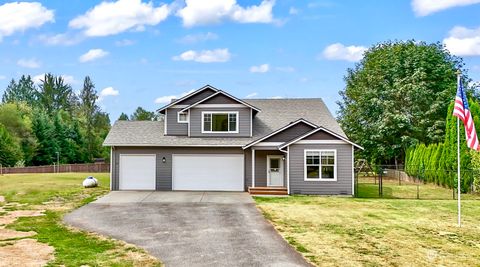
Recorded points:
141,53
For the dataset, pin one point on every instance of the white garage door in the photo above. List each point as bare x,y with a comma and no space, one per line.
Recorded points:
137,172
208,172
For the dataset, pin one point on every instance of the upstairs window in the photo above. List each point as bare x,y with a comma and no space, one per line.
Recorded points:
320,165
220,122
182,117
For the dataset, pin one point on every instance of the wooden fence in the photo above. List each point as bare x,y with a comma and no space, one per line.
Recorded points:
87,167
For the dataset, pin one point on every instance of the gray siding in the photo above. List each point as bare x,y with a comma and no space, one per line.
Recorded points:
173,127
244,121
163,170
321,135
220,99
260,167
343,185
290,133
197,97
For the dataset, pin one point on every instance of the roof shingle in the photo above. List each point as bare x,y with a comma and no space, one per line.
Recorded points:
275,113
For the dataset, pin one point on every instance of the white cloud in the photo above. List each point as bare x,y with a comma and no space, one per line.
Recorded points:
252,95
60,39
167,99
109,18
427,7
68,79
20,16
199,37
124,42
463,41
276,97
31,63
196,12
108,91
285,69
92,54
293,11
205,56
338,51
260,69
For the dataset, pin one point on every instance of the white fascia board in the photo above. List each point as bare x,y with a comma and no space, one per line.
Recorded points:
187,96
316,130
217,93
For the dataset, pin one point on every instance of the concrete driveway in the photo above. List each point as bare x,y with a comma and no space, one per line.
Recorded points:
189,228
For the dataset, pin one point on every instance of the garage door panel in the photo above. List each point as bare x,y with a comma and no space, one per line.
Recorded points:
208,172
137,172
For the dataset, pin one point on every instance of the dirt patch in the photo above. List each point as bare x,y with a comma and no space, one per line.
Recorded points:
2,199
26,252
6,234
11,216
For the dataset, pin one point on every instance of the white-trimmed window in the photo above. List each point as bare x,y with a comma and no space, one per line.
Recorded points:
321,165
182,117
219,122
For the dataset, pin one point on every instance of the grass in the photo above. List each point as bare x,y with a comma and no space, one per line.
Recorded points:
406,190
59,194
334,231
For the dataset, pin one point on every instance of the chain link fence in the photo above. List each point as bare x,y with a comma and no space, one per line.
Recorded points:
413,182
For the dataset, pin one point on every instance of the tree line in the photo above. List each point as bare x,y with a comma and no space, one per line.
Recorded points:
39,123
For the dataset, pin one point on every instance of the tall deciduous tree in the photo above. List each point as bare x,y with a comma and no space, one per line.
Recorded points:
396,96
9,149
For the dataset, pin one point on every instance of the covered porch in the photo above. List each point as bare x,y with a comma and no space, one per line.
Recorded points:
268,171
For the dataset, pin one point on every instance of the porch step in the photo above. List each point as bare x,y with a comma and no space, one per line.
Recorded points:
268,190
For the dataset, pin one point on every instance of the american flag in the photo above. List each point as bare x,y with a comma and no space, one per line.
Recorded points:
462,111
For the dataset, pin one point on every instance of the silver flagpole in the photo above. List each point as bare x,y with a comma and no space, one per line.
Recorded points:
458,162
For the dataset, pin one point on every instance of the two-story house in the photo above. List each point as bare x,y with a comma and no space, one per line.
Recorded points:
211,140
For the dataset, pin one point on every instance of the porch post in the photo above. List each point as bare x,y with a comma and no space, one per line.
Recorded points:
253,167
288,170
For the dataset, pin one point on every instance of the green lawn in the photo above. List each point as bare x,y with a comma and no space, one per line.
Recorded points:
406,190
336,231
59,194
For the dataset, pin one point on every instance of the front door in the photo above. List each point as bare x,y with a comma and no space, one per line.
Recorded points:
275,170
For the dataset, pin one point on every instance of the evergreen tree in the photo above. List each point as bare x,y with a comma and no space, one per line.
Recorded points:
23,91
141,114
89,110
123,117
55,94
44,131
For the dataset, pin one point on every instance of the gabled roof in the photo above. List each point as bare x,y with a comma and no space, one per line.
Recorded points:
188,96
314,131
225,94
293,123
276,113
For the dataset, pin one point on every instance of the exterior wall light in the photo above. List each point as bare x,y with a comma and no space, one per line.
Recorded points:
164,160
